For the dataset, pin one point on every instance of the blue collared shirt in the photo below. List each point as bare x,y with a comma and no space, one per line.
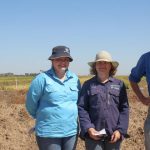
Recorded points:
54,104
141,69
103,106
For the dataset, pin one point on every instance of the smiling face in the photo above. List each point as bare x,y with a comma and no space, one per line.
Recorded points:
60,65
103,68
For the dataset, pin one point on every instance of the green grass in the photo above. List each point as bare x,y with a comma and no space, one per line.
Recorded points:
23,82
84,78
15,82
123,78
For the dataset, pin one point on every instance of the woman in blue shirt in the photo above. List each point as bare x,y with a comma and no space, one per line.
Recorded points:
52,101
103,106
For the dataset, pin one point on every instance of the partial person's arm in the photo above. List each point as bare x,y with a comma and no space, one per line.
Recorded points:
83,107
139,94
34,94
137,73
123,122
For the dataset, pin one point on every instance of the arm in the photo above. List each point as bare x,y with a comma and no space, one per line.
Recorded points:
137,73
139,94
33,96
83,109
123,121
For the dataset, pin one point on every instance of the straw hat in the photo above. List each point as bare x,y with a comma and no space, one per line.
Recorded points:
104,56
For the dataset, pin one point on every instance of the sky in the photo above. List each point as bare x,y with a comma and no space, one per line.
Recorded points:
29,29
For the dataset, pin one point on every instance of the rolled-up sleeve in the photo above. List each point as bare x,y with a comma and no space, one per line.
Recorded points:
138,71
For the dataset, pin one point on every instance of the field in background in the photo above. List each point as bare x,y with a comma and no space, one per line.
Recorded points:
15,121
15,82
23,82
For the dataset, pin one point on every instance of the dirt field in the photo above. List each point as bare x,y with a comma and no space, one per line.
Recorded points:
15,123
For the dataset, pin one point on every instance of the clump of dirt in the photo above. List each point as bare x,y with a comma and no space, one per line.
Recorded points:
15,123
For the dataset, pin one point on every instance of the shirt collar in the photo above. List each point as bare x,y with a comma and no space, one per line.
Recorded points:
111,79
51,72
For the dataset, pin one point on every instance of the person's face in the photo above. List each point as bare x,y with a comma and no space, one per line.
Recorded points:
60,64
103,67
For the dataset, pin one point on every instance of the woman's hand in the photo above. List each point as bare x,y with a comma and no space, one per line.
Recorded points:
94,134
115,136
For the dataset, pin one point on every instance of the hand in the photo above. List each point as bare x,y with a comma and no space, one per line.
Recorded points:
31,130
94,134
145,101
115,136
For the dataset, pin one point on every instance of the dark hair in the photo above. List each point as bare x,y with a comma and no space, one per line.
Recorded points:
94,72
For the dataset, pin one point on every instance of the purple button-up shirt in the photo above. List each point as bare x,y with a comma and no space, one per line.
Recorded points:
103,105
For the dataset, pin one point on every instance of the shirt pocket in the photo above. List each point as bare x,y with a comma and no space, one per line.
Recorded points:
74,88
73,93
49,88
95,96
114,97
53,93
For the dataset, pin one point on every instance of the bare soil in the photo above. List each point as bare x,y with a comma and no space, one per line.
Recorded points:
15,123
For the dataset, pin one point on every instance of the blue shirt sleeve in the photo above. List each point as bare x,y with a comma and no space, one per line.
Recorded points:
139,70
34,94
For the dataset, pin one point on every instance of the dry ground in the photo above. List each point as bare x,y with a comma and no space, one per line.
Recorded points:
15,123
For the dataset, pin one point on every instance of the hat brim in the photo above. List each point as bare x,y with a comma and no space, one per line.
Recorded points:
55,57
115,64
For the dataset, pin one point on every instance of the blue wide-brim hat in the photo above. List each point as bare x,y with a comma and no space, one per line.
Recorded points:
60,51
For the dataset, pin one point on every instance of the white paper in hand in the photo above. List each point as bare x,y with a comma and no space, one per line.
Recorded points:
101,132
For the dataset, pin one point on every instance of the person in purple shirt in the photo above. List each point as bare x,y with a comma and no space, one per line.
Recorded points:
140,70
103,106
